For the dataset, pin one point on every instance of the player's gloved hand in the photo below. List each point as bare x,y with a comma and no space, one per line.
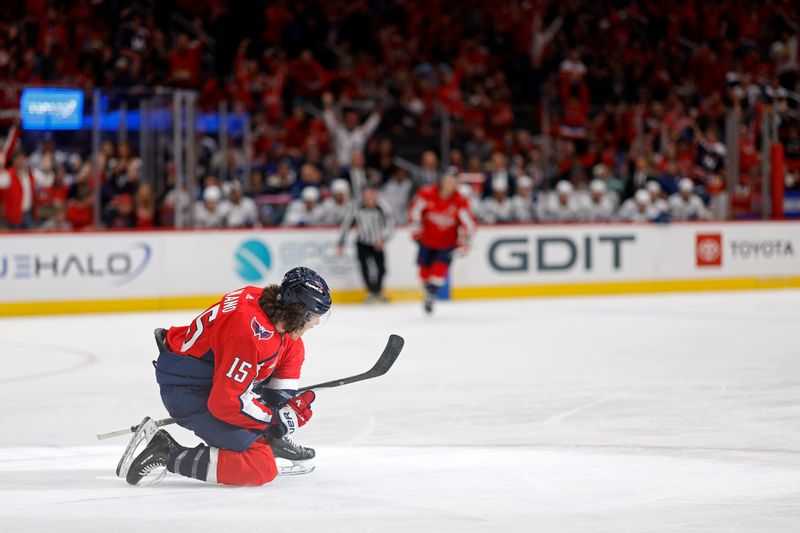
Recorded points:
416,231
293,415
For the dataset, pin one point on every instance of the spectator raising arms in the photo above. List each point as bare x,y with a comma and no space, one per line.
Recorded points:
348,135
18,185
556,91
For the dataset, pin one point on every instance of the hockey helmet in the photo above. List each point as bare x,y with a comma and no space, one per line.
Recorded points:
304,286
686,185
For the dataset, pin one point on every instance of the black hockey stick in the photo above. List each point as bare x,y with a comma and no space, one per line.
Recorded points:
389,355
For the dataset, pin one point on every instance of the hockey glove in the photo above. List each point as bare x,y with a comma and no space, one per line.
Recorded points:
293,415
416,232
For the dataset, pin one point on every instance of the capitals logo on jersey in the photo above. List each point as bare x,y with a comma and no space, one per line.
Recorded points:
260,331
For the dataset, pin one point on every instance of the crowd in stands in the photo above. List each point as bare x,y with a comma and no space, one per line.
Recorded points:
554,111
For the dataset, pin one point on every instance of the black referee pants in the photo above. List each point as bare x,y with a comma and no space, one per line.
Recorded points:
372,267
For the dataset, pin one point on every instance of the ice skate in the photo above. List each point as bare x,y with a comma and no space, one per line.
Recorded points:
298,456
428,299
150,466
145,431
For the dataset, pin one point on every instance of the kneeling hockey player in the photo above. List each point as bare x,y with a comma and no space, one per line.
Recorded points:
231,376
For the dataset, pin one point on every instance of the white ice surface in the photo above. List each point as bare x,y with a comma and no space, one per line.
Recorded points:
640,413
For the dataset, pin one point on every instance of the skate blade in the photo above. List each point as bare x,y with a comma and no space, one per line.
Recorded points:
295,468
147,428
153,477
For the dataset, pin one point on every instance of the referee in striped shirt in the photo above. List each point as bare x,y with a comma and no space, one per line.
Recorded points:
374,225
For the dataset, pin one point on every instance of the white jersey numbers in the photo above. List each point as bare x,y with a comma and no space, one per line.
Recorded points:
240,373
229,303
196,329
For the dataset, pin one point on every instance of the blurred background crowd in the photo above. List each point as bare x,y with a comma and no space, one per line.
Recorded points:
551,111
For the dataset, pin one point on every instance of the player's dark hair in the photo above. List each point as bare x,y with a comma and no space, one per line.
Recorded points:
292,315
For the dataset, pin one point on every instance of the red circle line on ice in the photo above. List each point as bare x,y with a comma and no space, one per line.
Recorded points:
86,359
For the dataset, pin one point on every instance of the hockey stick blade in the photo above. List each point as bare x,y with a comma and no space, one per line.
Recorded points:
389,355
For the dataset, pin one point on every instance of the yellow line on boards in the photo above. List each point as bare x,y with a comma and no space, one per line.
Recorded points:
106,306
358,296
625,287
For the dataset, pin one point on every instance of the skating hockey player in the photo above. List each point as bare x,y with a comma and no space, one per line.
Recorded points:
441,222
231,376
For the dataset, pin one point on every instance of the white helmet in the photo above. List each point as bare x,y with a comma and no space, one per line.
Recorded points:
212,194
524,182
564,187
598,186
499,184
310,194
653,187
340,185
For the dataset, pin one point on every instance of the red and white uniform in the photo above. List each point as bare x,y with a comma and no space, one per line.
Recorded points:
17,193
246,349
440,223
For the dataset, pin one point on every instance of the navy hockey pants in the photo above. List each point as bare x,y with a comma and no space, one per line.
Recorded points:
185,384
426,257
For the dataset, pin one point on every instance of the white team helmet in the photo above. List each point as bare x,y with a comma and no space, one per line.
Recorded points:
499,184
340,186
524,182
310,194
686,185
212,194
653,188
642,197
597,186
564,187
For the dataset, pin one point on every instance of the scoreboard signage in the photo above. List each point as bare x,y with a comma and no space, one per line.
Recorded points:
51,109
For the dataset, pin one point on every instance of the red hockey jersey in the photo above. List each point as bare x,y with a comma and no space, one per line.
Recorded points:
438,222
246,349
